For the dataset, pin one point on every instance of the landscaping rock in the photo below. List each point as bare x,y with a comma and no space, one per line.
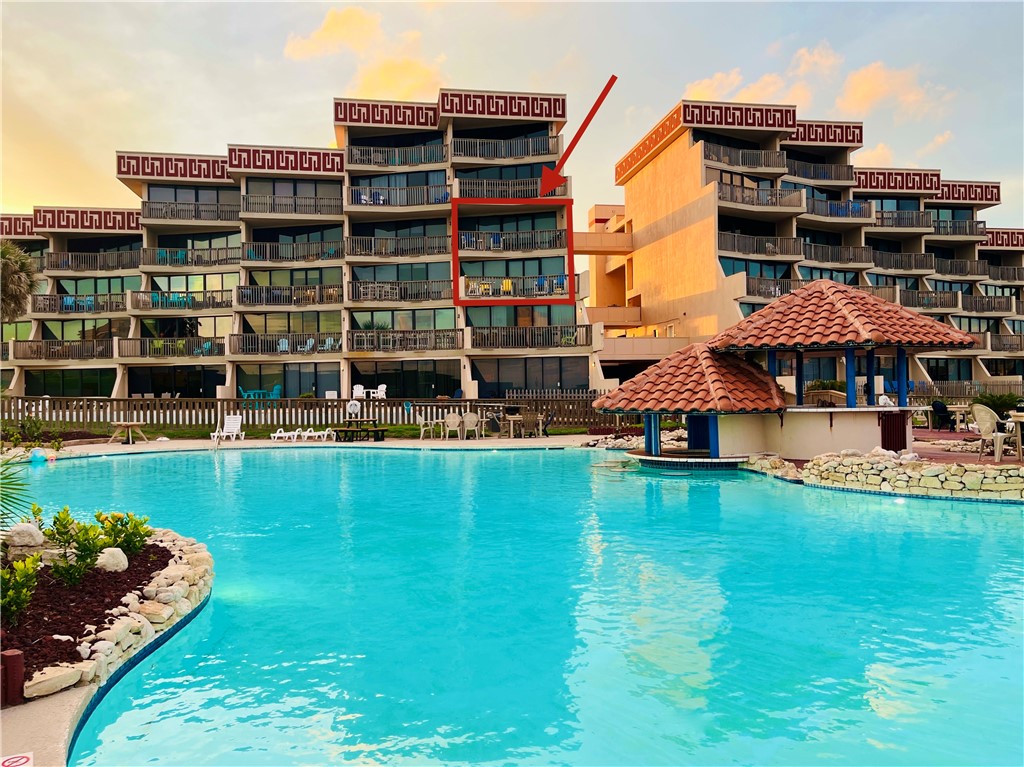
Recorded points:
24,534
112,560
51,680
156,612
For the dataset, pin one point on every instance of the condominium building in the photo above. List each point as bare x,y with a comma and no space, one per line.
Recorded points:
728,206
417,254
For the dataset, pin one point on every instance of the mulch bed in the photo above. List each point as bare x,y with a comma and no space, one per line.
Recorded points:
58,609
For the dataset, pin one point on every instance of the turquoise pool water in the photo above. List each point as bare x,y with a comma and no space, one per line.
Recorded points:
534,608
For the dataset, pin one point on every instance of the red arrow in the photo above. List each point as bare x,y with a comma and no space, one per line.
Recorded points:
550,178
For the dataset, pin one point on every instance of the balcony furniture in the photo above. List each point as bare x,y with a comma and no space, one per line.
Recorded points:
125,428
328,346
205,350
358,391
282,346
473,288
307,347
379,393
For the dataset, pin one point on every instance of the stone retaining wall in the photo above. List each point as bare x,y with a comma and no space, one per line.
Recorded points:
172,594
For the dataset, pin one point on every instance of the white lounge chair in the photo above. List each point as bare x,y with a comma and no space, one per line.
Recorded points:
452,422
312,433
282,434
379,393
470,422
232,428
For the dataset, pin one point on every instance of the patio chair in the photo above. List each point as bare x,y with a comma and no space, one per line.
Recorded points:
531,424
942,416
232,428
379,393
358,391
452,422
282,435
205,350
327,346
470,423
307,347
312,433
275,393
427,426
988,427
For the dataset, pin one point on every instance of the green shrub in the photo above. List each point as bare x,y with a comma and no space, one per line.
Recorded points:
1002,404
307,395
15,439
56,444
124,531
80,547
17,582
826,385
32,428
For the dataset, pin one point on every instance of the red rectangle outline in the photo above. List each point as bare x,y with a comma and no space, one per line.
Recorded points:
570,272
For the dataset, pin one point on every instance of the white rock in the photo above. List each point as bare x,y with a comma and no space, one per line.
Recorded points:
85,649
155,612
112,560
52,679
103,647
24,534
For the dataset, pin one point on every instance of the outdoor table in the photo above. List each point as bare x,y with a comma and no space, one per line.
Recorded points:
512,421
959,413
122,428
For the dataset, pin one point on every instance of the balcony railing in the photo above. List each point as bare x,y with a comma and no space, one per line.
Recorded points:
191,211
93,262
292,205
274,344
276,252
398,247
289,295
537,239
760,246
1001,304
378,156
960,228
744,158
536,337
1004,342
1006,273
838,254
400,196
197,257
403,340
102,348
930,299
494,149
904,219
97,303
515,287
143,300
525,188
904,262
764,287
774,198
839,208
961,267
170,347
402,290
820,171
980,340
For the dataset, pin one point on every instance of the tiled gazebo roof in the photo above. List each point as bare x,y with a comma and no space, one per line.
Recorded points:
828,314
696,379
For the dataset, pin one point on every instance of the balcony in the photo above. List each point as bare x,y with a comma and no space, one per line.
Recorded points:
536,337
761,246
844,213
1006,273
363,198
858,256
980,342
280,344
640,348
931,300
968,229
821,172
1003,342
988,304
763,287
520,188
64,350
281,205
748,159
400,291
904,262
761,203
903,219
489,288
177,302
190,211
177,258
503,242
511,149
962,267
615,316
389,157
288,295
262,253
398,247
170,347
404,340
93,262
99,303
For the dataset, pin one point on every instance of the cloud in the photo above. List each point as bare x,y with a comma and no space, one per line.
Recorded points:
935,143
401,74
774,49
878,156
820,61
876,86
714,88
348,28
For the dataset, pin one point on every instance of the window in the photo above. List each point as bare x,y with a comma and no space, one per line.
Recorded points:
814,273
200,241
325,276
70,383
17,331
192,381
816,237
906,283
177,193
526,222
439,270
294,378
195,282
1000,290
813,193
404,319
415,379
400,180
292,322
738,179
112,244
948,369
977,324
410,228
952,287
85,330
952,214
1015,326
287,187
186,327
891,203
754,268
883,246
293,234
1004,366
513,267
746,309
815,368
505,172
519,316
496,376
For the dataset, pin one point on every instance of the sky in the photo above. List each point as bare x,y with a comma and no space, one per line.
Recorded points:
937,85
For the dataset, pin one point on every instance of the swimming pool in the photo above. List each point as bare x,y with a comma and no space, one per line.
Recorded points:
535,607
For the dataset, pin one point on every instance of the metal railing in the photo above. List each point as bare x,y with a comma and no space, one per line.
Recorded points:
783,198
838,254
275,252
93,262
744,158
398,247
170,347
191,211
403,340
904,219
930,299
904,262
1001,304
424,154
514,287
764,287
198,257
1006,273
820,171
966,390
93,303
760,246
288,295
274,344
1006,342
144,300
400,290
513,188
537,239
536,337
960,228
297,205
839,208
961,267
400,196
102,348
496,149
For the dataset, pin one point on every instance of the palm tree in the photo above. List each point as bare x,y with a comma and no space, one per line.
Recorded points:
16,281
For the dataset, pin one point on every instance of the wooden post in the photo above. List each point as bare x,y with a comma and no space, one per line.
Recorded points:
13,689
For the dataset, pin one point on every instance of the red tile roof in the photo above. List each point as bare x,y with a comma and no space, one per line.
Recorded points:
696,379
828,314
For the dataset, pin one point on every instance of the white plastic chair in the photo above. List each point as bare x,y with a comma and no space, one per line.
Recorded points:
452,422
988,421
312,433
282,434
425,425
379,393
358,391
470,423
232,428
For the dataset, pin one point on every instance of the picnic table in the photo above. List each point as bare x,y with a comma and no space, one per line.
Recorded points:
125,428
359,430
